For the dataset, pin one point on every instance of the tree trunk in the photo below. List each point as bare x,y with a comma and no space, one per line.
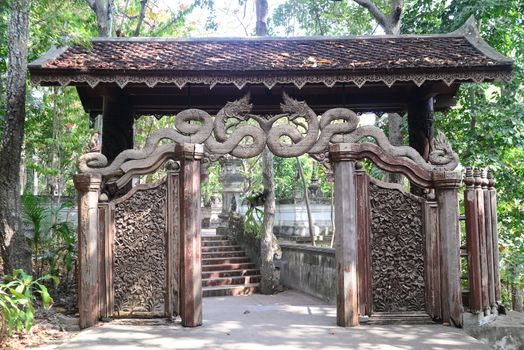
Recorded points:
269,281
391,25
516,298
306,200
395,138
102,10
262,12
14,248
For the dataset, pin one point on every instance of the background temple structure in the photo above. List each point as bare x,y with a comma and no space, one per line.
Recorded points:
396,252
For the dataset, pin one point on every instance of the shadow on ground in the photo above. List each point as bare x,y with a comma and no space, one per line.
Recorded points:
288,320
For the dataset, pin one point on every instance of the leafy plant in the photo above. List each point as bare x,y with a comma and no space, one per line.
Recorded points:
54,240
253,221
18,299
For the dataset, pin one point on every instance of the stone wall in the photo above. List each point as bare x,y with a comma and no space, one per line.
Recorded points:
291,220
311,270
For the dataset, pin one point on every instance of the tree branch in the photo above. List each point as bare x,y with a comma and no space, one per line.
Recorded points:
143,6
92,4
376,13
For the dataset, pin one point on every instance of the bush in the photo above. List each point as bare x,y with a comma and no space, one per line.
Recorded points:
18,299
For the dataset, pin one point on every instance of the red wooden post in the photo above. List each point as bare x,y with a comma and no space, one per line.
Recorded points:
432,259
364,254
88,187
172,242
446,186
346,243
190,239
489,239
482,240
473,244
495,237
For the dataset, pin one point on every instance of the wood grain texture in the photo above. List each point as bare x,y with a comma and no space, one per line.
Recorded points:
447,198
346,244
88,187
473,244
190,245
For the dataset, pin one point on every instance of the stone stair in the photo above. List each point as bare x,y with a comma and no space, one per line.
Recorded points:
226,270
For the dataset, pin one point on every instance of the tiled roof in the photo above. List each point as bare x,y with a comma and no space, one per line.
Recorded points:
263,55
240,61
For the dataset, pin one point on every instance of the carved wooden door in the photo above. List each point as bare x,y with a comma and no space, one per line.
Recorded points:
142,251
397,245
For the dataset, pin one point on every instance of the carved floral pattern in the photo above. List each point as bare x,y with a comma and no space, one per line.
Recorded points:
139,252
397,251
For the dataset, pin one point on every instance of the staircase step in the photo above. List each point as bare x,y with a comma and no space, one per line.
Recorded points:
224,248
214,238
228,267
216,261
384,318
221,243
226,254
228,281
219,291
230,273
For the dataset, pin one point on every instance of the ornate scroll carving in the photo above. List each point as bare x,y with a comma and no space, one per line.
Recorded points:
397,251
139,270
295,132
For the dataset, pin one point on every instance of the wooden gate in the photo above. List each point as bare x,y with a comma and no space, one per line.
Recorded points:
140,233
397,251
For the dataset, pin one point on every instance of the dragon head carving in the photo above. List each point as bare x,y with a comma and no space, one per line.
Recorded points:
441,154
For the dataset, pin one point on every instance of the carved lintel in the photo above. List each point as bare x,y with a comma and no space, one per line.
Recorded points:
235,131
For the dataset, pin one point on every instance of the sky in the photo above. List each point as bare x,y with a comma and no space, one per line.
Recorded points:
233,19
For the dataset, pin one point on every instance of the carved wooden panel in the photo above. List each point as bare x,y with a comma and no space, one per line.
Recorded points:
139,270
397,251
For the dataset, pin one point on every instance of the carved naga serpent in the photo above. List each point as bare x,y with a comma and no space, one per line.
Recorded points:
230,133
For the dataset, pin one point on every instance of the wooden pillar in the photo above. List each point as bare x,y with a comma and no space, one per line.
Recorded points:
88,187
346,243
190,239
495,237
446,186
433,295
420,124
489,240
172,306
365,293
117,124
473,243
481,224
420,128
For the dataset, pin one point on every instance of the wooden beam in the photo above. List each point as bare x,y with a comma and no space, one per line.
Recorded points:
167,99
346,244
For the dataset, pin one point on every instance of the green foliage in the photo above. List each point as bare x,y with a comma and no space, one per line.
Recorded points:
18,299
253,221
324,17
57,132
54,243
